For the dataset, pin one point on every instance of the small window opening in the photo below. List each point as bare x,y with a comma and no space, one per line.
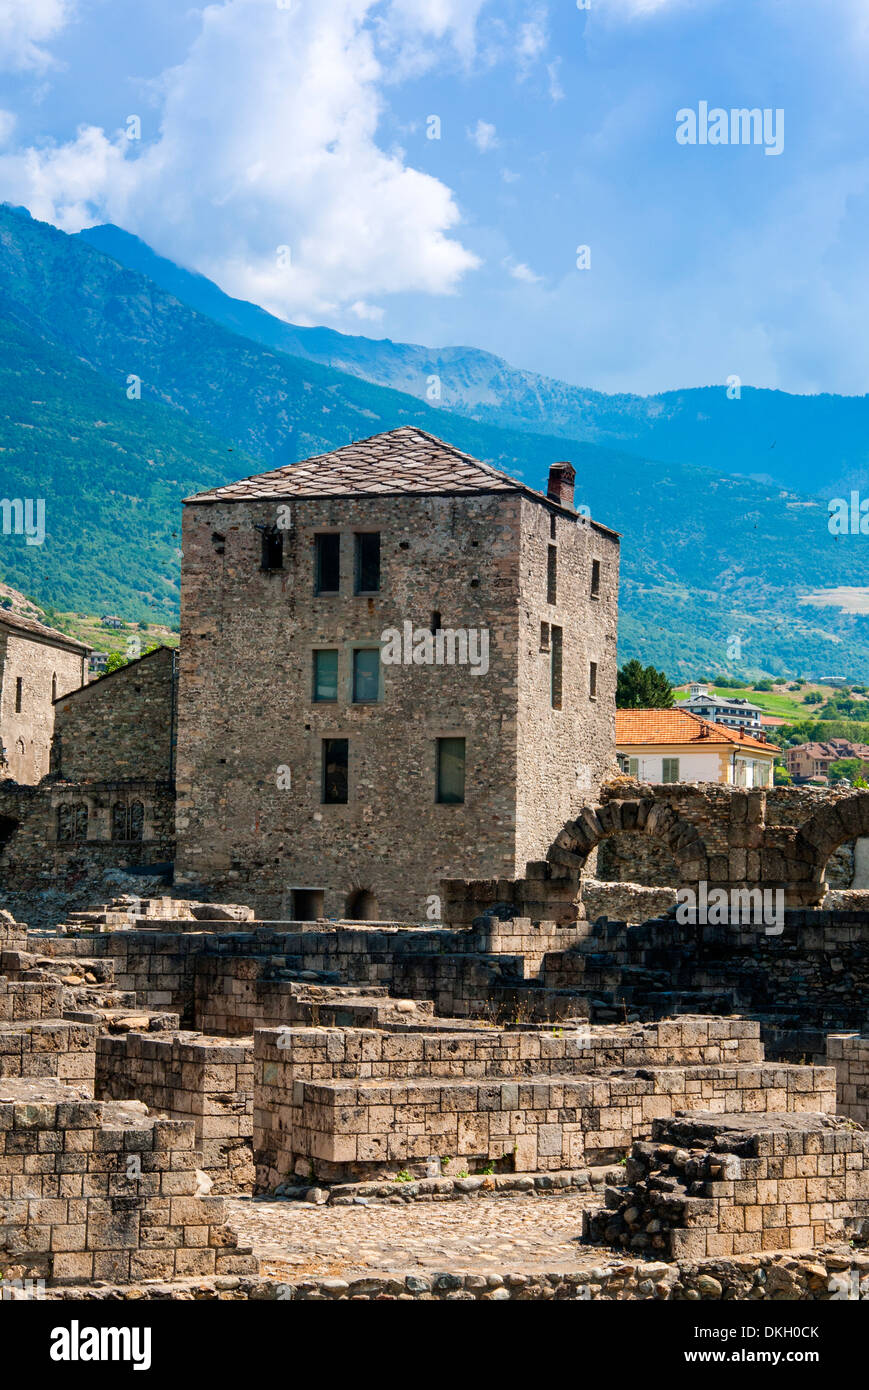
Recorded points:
552,575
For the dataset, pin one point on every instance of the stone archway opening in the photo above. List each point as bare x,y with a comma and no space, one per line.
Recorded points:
831,849
8,827
630,857
361,906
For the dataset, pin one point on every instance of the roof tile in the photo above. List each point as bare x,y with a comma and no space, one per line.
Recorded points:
636,727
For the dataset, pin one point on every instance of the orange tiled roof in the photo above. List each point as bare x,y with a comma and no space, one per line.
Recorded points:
636,727
405,460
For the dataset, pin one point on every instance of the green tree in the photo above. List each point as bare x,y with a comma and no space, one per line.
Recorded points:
780,776
849,768
642,687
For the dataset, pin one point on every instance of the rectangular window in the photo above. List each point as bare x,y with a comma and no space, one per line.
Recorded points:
325,677
633,767
670,772
328,559
368,562
592,680
336,757
555,680
552,526
19,691
366,675
451,771
552,575
273,549
595,578
544,637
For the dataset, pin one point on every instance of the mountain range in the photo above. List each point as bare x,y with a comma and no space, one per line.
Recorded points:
127,383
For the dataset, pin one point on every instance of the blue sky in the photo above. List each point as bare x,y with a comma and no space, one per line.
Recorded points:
302,125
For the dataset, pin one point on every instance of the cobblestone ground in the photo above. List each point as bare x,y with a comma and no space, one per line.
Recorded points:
522,1233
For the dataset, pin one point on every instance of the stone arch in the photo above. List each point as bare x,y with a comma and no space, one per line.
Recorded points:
831,825
643,816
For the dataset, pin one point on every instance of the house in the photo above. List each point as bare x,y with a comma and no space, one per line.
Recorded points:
398,665
37,666
733,714
672,745
111,620
98,663
811,760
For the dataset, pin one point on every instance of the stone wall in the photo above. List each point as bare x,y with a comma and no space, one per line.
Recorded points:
627,902
350,1103
720,1185
186,1076
104,1191
45,669
563,754
248,636
849,1054
120,728
44,877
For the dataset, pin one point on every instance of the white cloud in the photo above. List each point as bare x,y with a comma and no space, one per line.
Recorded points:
520,271
642,9
484,136
556,91
24,26
267,140
368,313
7,125
532,40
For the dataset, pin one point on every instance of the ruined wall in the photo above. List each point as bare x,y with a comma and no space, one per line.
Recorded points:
43,669
42,876
849,1054
719,1186
351,1103
186,1076
120,728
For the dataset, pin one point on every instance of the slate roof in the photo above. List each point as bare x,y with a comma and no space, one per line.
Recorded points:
48,634
638,727
405,460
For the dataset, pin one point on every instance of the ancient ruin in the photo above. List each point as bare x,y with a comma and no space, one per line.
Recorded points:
335,987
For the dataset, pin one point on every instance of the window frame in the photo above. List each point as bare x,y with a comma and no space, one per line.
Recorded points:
440,742
316,653
358,538
319,538
556,666
552,575
355,652
325,800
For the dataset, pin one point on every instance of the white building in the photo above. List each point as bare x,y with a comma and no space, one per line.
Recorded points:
671,745
733,714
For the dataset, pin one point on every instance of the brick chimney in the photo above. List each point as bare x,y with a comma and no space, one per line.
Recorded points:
562,477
